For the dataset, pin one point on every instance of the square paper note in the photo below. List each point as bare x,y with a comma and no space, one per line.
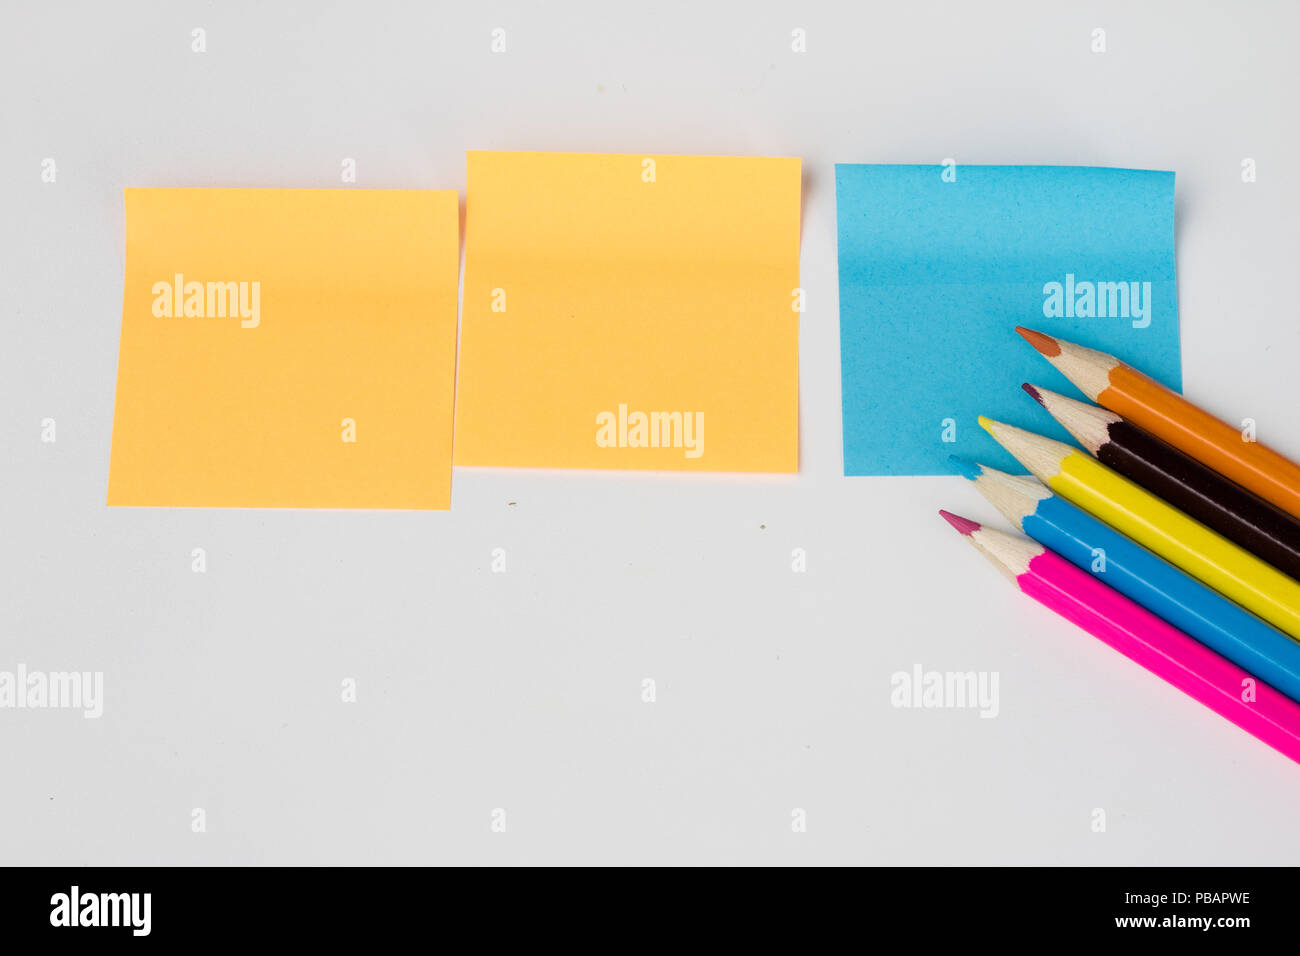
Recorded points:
636,312
286,348
939,264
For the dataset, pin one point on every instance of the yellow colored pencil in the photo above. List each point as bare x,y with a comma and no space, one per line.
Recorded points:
1132,510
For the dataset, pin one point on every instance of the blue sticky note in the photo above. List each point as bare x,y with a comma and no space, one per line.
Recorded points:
939,264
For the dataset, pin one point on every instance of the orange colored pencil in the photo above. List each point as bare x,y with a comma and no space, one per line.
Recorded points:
1163,412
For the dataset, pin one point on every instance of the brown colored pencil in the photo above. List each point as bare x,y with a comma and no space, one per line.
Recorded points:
1181,480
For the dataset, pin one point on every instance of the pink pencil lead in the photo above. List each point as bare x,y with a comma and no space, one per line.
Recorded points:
964,525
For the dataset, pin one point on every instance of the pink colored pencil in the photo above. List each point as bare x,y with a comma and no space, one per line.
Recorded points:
1141,636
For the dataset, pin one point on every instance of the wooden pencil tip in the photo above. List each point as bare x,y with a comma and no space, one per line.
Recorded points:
987,424
1032,392
964,525
1044,343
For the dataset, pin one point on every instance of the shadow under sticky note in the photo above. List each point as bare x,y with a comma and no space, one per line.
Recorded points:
630,312
286,348
937,265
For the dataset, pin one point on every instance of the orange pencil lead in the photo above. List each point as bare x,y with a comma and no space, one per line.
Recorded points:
1044,343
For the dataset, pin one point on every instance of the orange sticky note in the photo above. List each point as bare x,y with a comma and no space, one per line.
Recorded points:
286,348
627,311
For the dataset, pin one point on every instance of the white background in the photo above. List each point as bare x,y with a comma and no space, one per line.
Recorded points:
522,690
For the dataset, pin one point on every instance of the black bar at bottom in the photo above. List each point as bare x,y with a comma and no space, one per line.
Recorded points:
338,906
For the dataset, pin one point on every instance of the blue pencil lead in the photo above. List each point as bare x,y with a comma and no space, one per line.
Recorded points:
965,467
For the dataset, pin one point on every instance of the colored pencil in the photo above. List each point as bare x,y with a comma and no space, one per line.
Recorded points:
1160,468
1167,415
1139,635
1138,574
1132,510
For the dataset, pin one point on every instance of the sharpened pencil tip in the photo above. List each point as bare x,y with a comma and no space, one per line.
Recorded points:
964,525
1033,393
965,467
1044,343
987,424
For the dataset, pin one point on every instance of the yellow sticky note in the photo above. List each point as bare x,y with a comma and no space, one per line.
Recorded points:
634,312
286,348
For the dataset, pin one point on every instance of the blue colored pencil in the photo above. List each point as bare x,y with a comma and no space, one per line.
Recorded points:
1149,580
